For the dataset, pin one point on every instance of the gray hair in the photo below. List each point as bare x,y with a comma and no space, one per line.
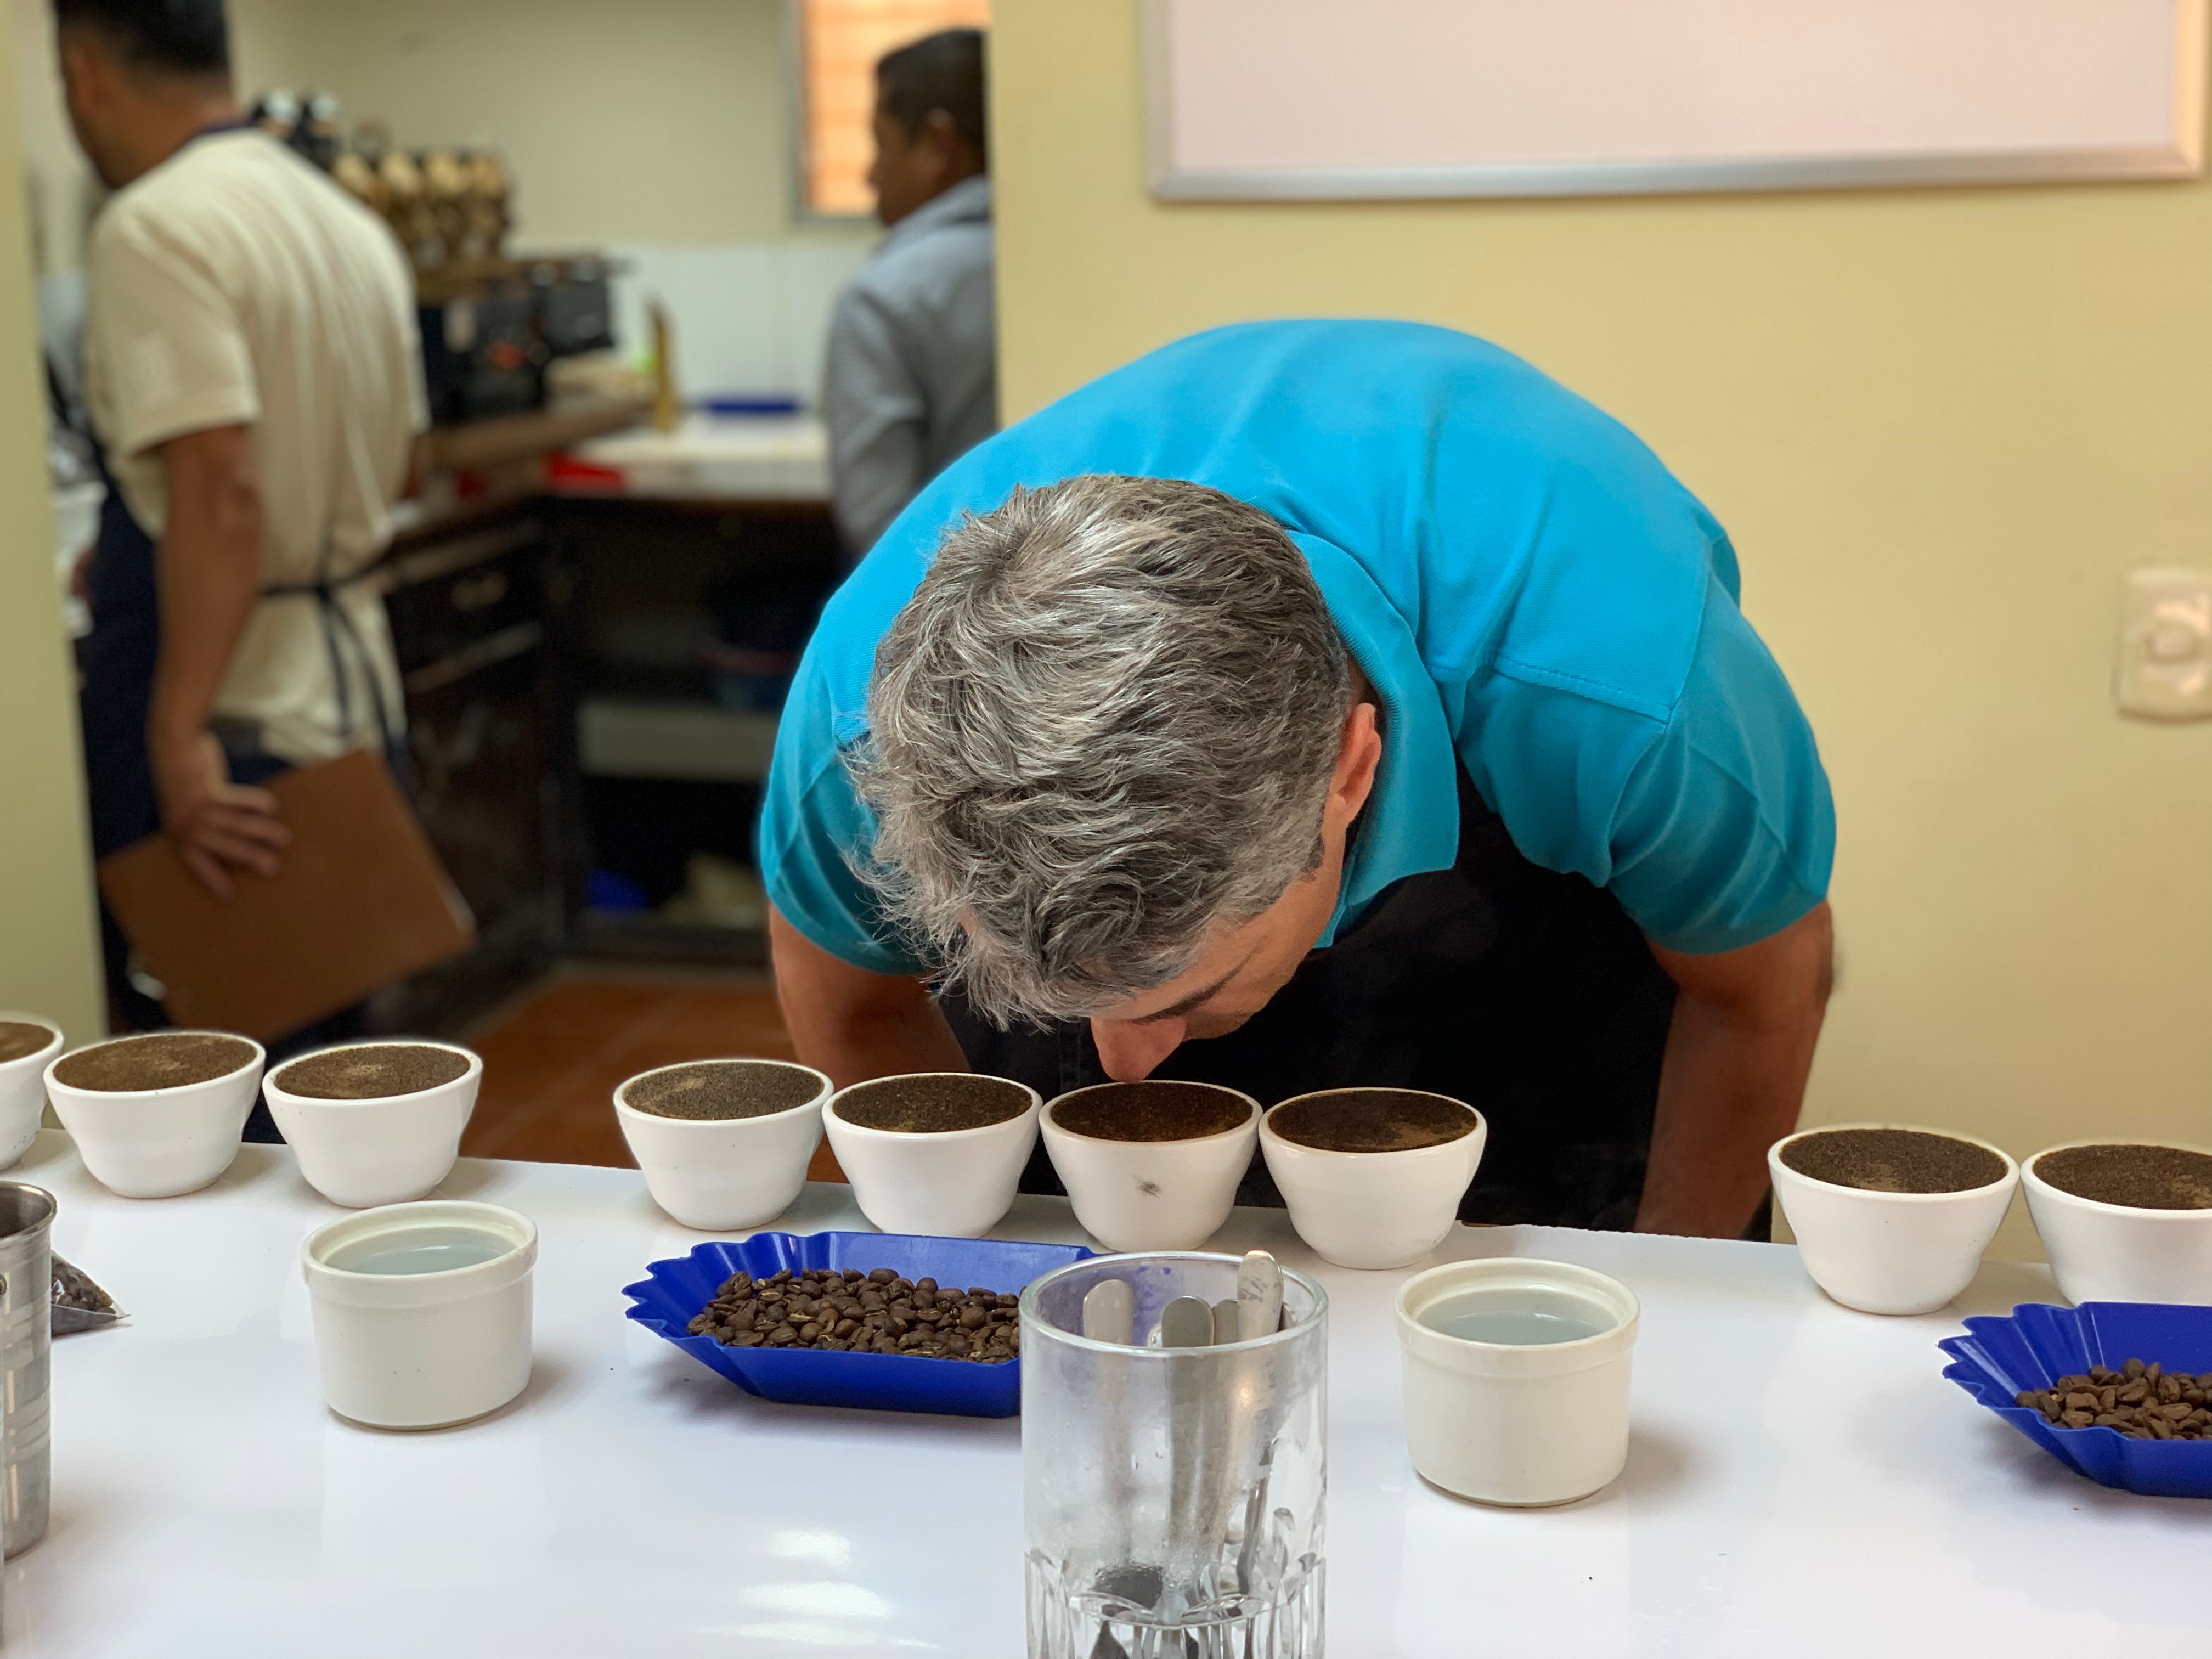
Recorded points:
1105,722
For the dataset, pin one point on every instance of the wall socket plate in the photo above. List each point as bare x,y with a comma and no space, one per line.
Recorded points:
2166,646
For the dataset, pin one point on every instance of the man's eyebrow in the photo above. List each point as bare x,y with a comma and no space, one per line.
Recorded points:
1195,999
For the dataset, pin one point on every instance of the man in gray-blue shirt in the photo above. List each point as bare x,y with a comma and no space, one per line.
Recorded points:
913,371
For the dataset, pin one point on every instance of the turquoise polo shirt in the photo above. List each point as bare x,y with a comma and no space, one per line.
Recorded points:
1532,594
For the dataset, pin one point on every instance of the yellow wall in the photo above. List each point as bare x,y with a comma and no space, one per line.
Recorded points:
47,949
1939,424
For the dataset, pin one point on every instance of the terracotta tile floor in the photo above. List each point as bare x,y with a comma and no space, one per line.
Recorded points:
553,1057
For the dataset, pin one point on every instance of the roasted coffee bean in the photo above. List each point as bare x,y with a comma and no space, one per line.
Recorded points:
880,1312
2140,1399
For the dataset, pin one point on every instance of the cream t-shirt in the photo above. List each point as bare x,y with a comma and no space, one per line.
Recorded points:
236,285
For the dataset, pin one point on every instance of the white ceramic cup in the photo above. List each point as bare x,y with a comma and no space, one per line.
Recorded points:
953,1184
158,1142
422,1350
384,1150
1372,1209
1890,1253
1151,1195
23,1089
2115,1252
725,1175
1513,1424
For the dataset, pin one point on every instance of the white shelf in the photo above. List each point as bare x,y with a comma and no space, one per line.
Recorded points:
659,738
778,457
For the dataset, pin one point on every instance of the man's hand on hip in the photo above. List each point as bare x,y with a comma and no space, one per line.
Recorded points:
219,826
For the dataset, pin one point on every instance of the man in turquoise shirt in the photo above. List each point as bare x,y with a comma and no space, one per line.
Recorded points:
1316,704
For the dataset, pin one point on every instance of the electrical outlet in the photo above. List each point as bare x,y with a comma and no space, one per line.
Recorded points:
2166,646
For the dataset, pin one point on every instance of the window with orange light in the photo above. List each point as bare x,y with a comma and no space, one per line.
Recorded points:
839,42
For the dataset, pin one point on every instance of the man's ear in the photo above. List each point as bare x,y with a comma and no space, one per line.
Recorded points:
1357,757
943,139
86,69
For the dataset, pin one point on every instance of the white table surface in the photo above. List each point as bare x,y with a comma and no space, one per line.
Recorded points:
1802,1481
733,457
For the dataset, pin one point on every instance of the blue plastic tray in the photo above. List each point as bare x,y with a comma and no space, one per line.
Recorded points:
666,1303
1999,1358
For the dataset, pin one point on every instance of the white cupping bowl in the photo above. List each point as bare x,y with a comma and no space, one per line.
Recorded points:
1372,1209
1151,1195
2116,1252
1890,1253
956,1183
23,1090
158,1142
384,1150
420,1351
725,1175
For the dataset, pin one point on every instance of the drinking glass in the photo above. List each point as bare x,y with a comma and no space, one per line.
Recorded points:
1173,1498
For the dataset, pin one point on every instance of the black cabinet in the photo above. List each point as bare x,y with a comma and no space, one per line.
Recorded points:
476,614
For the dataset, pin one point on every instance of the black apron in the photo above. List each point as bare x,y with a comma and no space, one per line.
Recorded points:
1527,993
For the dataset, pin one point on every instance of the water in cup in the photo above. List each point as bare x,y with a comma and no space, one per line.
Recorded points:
420,1250
1514,1319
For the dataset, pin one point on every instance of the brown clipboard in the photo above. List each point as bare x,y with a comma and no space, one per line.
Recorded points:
360,900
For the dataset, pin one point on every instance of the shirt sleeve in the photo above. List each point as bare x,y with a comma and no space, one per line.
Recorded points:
1725,833
814,831
173,350
878,415
1712,823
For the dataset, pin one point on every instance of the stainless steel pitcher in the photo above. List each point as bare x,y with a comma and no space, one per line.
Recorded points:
27,1218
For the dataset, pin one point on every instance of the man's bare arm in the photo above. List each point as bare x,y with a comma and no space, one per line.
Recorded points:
209,565
850,1023
1738,1053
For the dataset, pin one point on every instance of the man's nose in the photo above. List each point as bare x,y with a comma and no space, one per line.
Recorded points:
1129,1050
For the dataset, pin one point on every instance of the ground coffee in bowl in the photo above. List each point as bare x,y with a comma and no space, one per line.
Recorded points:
373,1070
19,1040
164,1060
1152,1111
933,1104
710,1091
2140,1178
1894,1161
1372,1120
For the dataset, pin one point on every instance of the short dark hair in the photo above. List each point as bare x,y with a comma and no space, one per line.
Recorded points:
939,71
176,37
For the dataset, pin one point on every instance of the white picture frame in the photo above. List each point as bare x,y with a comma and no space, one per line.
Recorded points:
1351,99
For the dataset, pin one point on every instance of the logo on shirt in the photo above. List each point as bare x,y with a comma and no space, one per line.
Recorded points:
153,370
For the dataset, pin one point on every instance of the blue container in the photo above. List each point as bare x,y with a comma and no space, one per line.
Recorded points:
671,1299
2000,1358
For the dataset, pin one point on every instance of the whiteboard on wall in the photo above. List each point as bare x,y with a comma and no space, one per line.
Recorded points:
1348,99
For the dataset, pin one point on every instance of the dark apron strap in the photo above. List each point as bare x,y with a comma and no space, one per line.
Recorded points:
1528,993
342,638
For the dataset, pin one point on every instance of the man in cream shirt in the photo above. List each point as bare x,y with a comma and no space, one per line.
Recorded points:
252,374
